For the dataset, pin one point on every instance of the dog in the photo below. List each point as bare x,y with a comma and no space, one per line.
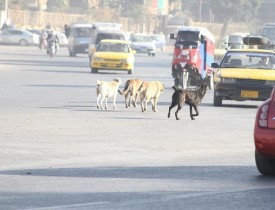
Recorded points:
131,88
107,89
150,91
190,97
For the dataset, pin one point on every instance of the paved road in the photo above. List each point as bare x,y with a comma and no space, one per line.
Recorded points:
58,151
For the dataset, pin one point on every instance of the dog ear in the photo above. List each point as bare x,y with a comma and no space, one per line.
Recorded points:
98,82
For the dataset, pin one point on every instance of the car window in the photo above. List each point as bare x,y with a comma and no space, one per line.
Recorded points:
16,32
102,36
113,47
83,32
252,60
141,39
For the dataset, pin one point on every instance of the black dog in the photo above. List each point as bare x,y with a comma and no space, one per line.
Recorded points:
190,97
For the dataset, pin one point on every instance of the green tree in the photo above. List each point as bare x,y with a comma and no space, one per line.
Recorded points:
234,11
135,10
57,5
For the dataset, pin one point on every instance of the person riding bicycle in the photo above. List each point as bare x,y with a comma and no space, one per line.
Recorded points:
52,37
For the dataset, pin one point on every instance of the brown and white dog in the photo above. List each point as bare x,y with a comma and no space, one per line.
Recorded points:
107,89
130,91
190,97
150,91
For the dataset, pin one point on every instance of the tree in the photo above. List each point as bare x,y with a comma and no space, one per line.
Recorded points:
234,11
57,5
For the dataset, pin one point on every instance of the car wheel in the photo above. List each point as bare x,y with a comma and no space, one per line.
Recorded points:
265,166
94,70
23,42
217,100
153,54
130,71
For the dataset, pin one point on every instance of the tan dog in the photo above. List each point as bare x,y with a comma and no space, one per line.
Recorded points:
107,89
150,91
131,88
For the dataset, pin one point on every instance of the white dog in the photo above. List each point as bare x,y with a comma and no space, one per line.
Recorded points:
107,89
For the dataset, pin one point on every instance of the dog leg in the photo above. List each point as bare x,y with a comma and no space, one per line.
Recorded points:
135,97
97,100
173,104
106,107
114,102
196,110
127,100
155,101
176,113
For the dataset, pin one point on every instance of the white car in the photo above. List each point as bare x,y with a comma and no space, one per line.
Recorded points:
143,43
16,36
63,41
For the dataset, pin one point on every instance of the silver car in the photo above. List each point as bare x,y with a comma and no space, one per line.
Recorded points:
18,37
143,43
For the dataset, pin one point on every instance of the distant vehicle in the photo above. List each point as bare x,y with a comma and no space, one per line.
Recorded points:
101,33
112,54
194,46
245,74
264,136
268,30
231,41
78,37
143,43
159,40
18,37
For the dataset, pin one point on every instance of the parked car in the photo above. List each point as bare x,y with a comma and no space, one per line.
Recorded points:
18,37
63,41
112,54
242,76
159,40
143,43
264,136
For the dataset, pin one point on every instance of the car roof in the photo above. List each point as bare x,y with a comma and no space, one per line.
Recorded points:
82,25
109,30
251,50
114,41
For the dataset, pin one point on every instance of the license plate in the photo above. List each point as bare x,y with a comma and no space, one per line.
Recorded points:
249,94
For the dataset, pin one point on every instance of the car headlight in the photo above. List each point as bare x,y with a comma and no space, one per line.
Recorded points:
98,59
128,60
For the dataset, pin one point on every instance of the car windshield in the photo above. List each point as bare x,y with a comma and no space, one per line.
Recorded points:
113,47
83,32
252,60
140,38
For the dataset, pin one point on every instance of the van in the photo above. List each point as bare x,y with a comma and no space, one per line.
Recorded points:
78,37
101,33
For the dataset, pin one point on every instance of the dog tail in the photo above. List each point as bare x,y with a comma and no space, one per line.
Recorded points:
127,88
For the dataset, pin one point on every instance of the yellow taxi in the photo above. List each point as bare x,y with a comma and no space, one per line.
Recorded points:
113,54
245,74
